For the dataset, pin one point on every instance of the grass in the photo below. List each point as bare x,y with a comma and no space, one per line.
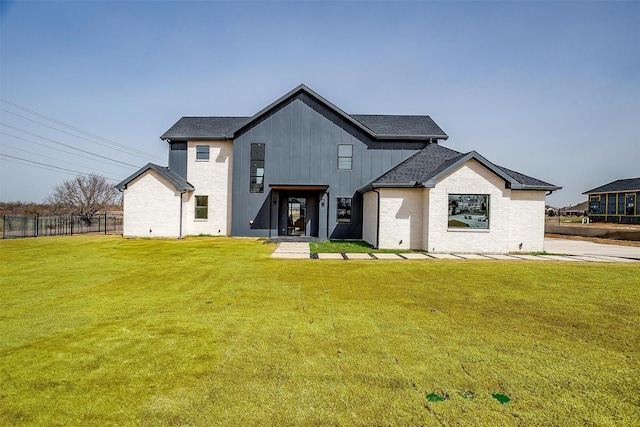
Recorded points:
212,331
348,246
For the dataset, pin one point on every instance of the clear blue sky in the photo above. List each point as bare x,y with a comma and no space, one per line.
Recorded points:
550,89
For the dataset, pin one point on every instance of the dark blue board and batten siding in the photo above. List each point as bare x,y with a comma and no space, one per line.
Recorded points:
301,138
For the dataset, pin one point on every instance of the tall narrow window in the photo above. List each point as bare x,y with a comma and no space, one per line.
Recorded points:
344,209
202,152
631,203
202,207
345,156
256,178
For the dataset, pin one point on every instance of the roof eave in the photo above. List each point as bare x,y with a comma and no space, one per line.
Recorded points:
410,137
373,186
195,138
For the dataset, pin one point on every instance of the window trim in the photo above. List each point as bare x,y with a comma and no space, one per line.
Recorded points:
470,214
208,152
350,157
198,208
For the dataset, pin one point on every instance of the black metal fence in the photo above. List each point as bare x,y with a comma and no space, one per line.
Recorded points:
16,227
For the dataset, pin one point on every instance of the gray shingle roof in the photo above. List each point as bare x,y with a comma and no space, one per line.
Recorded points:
203,127
400,125
178,182
631,184
425,167
419,167
377,126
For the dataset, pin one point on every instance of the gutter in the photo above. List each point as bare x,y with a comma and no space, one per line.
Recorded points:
180,232
377,246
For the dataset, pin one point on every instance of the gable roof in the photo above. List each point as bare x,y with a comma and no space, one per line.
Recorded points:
383,127
178,182
631,184
431,163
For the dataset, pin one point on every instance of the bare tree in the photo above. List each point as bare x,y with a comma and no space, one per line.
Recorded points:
85,196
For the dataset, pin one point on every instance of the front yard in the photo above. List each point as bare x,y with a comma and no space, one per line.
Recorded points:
101,330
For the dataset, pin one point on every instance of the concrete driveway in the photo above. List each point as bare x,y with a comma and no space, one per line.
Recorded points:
579,247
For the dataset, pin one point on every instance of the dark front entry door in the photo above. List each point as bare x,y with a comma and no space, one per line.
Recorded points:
297,210
298,213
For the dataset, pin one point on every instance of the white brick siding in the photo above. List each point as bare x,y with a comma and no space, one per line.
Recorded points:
418,218
400,218
210,178
152,207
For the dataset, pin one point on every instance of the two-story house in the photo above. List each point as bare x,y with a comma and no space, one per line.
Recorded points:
303,167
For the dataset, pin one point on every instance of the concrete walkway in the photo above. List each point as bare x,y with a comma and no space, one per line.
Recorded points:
292,250
562,250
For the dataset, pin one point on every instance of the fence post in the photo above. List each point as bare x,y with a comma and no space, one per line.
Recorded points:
37,220
71,221
105,223
4,225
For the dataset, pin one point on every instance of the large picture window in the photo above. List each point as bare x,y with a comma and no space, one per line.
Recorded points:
469,211
202,207
344,209
256,178
345,156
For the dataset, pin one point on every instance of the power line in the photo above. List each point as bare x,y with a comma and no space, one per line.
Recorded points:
47,157
68,126
112,162
51,166
66,145
129,151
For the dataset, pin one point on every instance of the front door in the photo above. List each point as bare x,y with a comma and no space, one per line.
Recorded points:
297,211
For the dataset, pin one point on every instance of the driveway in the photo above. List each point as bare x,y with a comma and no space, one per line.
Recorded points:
579,247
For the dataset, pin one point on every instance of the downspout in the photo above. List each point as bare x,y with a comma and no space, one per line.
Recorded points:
180,233
377,246
328,199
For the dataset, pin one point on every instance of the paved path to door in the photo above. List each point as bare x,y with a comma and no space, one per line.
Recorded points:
562,250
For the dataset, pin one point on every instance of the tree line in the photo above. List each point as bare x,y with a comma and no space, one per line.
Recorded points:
85,195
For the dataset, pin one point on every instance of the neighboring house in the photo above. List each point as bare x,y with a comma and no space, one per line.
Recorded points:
581,209
303,167
617,201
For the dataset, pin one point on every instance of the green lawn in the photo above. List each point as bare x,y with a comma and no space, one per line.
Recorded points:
347,246
206,331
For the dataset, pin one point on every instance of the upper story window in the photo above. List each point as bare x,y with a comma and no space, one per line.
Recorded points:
345,156
256,169
202,152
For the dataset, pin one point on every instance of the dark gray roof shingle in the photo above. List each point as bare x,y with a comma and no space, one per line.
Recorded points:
176,180
400,125
419,167
631,184
378,126
203,127
433,161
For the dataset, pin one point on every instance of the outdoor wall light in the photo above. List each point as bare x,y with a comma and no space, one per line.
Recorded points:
250,222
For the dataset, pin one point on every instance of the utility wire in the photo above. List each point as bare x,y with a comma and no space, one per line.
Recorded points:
66,145
68,126
47,157
128,151
112,162
51,166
